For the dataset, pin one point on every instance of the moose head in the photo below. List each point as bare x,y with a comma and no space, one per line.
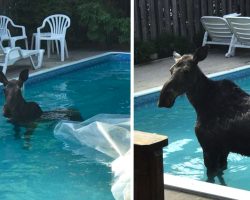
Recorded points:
15,107
184,74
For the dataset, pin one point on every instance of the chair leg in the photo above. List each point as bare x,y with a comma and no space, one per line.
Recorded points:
38,43
4,68
26,43
205,39
48,47
32,42
62,49
66,49
231,49
57,48
52,46
12,43
39,57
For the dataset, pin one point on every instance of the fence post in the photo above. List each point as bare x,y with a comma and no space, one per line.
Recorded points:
148,166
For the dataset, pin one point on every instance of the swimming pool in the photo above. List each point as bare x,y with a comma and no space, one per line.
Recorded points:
183,156
49,170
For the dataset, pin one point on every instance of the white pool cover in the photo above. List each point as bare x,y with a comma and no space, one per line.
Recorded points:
106,133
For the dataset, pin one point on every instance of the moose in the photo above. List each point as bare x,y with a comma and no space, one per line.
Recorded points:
222,108
27,114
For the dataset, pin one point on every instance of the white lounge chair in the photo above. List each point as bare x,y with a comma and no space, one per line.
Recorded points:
240,26
217,29
5,33
58,26
8,56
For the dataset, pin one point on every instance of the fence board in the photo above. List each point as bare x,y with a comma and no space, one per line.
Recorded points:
152,19
175,17
180,17
224,7
204,8
143,17
190,18
242,5
210,7
247,8
160,20
230,6
183,17
137,21
197,16
167,16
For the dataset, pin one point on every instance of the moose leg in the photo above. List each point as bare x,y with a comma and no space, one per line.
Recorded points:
17,131
223,160
211,163
29,130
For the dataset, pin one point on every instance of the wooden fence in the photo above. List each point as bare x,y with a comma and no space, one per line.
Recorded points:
180,17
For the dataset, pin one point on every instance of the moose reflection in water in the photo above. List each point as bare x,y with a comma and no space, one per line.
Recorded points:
28,114
222,108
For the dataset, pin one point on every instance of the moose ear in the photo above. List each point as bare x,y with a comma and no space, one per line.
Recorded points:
23,76
3,79
200,54
176,56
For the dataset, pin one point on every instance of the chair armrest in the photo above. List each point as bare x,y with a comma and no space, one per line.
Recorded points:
19,26
41,27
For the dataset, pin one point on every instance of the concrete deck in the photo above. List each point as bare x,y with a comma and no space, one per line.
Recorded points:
51,62
156,73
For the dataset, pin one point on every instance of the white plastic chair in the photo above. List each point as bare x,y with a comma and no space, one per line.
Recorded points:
5,33
58,26
217,29
240,27
11,55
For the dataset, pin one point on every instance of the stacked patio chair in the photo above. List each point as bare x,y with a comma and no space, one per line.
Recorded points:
5,34
58,25
240,27
217,29
9,55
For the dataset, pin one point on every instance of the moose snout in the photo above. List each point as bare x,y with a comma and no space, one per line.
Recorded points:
167,96
6,111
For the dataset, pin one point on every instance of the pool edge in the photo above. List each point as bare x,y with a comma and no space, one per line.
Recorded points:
204,189
213,75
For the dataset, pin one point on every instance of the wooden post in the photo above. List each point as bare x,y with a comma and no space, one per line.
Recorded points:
148,166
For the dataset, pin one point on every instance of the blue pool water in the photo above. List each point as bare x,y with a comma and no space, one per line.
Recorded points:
183,156
49,170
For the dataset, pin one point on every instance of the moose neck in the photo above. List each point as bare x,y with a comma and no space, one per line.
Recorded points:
18,105
198,93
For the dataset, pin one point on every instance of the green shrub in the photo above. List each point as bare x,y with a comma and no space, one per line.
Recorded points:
143,50
104,24
167,43
92,22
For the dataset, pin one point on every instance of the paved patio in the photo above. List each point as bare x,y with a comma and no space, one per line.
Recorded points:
156,73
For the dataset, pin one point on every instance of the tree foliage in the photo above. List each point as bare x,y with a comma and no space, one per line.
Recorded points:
96,21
